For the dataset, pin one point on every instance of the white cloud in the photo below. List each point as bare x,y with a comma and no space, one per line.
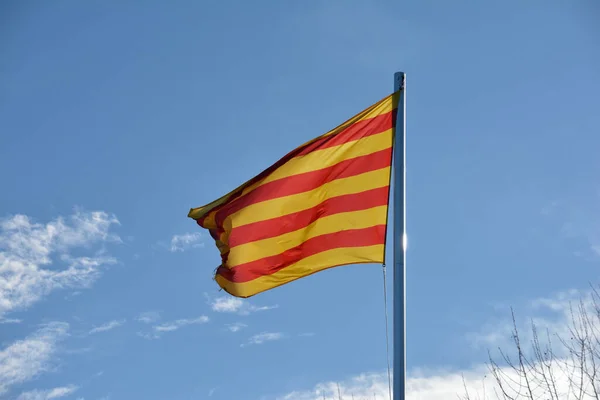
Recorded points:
27,247
229,304
158,330
25,359
48,394
211,392
186,241
263,337
148,317
236,327
107,326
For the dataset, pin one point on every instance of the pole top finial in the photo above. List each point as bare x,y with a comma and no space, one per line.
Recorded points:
399,78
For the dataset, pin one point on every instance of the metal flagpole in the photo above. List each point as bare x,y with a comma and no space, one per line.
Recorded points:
399,311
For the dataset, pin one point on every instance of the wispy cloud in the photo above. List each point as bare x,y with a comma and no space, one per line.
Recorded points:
48,394
107,326
186,241
25,359
577,221
10,321
263,338
73,295
550,207
159,330
235,305
173,326
236,327
27,247
211,392
78,350
307,334
148,317
148,335
551,313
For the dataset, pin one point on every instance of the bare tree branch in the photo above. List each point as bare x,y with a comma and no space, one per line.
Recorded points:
539,371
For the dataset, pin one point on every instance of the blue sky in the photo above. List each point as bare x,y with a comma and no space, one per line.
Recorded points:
117,117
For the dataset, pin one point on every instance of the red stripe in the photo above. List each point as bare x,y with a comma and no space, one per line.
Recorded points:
355,131
307,181
292,222
269,265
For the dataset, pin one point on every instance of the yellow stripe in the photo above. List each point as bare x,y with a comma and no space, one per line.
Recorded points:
328,157
320,159
306,266
333,223
302,201
383,106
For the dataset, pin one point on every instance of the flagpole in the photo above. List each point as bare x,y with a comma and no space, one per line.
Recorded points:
399,304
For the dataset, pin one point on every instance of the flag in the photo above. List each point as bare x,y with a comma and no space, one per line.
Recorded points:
323,205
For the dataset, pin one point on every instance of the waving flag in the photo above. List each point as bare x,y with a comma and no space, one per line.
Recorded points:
322,205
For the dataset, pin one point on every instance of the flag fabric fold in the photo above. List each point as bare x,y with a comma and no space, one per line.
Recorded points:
322,205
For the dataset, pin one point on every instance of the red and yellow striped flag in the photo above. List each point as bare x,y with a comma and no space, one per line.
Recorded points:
322,205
